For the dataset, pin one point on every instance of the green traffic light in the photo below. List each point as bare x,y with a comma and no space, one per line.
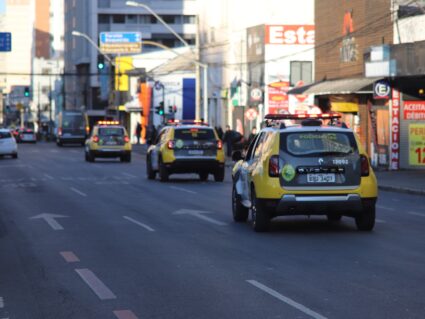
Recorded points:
161,112
100,66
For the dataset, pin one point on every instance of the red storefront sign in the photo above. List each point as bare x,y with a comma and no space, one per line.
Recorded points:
395,131
278,97
414,110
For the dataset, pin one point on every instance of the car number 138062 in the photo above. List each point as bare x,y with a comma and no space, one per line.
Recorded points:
321,178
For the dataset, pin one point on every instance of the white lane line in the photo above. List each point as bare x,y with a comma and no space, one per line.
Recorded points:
386,208
95,284
75,151
125,314
416,214
1,302
69,256
395,199
129,175
78,192
380,221
183,190
139,223
14,166
286,300
54,151
48,176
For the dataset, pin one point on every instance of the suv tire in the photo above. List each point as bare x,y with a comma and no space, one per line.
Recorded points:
149,171
126,158
163,172
260,216
203,176
219,175
90,157
240,212
365,220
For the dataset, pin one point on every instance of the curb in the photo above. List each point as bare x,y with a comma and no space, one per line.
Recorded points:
410,191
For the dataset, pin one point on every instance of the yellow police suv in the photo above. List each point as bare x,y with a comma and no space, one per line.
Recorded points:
186,147
304,169
108,139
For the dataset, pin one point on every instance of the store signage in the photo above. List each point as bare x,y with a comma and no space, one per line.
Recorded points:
381,90
278,97
349,48
414,110
417,144
290,34
395,130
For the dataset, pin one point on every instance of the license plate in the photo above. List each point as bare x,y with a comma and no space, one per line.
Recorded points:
321,178
111,143
196,152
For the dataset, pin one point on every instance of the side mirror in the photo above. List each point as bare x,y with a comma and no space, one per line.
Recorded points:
237,156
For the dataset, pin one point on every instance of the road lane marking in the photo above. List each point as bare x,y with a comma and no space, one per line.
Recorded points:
395,199
139,223
95,284
14,166
129,175
78,192
416,214
386,208
200,215
69,256
48,176
54,151
1,302
50,219
380,221
125,314
183,190
286,300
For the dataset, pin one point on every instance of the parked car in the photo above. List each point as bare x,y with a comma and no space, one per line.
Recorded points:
8,144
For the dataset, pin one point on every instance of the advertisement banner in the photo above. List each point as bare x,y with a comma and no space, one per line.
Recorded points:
278,97
395,130
417,144
414,110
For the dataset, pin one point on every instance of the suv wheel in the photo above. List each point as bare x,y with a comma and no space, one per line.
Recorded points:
150,172
203,176
163,172
240,212
219,175
365,220
259,215
126,158
90,157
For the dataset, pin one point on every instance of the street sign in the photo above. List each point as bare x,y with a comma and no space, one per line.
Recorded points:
120,42
251,114
381,90
5,41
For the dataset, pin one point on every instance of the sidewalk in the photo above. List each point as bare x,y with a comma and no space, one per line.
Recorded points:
403,181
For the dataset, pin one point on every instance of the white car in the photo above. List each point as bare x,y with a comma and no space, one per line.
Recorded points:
8,144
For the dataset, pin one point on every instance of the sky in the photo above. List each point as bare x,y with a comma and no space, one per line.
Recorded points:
2,6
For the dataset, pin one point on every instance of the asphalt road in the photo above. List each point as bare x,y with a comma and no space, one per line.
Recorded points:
82,240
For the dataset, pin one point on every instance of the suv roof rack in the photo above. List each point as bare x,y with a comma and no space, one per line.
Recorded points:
307,119
186,122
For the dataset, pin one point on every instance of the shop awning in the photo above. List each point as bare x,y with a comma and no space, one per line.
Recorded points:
342,86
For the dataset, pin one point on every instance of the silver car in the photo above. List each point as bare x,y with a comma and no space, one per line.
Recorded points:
8,144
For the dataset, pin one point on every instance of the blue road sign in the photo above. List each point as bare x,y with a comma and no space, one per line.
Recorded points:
120,37
5,41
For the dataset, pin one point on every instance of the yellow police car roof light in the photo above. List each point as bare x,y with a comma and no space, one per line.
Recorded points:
108,122
277,117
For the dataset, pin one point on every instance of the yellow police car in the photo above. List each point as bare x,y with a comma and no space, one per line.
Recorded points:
108,139
186,147
304,169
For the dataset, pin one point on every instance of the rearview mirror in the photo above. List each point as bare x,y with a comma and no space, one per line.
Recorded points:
237,156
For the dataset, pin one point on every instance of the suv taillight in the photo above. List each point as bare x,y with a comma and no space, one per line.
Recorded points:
95,139
59,131
219,144
274,166
364,165
126,139
171,144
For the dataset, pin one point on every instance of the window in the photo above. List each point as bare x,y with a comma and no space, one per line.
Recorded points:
132,18
103,18
169,19
194,134
118,18
259,146
189,19
301,71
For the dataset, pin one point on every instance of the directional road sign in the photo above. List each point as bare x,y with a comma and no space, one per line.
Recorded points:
120,42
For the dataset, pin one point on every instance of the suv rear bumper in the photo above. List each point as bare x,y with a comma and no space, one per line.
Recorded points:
348,204
194,165
106,153
71,139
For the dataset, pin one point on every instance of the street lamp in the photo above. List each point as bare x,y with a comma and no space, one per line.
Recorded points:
202,65
85,36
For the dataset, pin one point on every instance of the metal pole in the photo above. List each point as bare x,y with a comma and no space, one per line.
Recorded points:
206,93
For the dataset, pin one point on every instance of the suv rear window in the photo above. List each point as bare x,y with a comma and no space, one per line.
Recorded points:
111,131
318,143
5,135
187,134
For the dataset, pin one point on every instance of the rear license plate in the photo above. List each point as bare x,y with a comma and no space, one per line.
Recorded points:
111,143
196,152
321,178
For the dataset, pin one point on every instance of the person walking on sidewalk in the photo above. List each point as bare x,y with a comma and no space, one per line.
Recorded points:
138,132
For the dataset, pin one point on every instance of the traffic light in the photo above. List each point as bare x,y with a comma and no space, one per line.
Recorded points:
100,62
172,109
160,108
27,91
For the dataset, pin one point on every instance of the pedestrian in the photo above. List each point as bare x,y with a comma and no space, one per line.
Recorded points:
219,131
228,138
138,132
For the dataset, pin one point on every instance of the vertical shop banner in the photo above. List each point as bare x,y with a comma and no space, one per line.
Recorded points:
395,130
417,144
278,97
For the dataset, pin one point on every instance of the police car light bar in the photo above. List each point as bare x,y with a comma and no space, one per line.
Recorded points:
277,117
186,122
108,122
